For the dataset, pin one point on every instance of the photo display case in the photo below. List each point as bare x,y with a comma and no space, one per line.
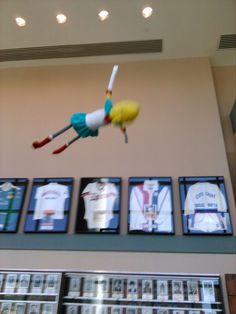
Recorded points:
150,205
204,205
130,293
99,205
25,292
12,196
49,205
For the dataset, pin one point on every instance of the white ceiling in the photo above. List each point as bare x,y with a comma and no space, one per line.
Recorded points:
189,28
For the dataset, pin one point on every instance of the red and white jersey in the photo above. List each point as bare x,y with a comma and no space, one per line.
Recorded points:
150,208
99,199
51,201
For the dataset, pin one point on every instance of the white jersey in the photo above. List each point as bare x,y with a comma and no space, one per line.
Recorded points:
99,199
205,197
51,201
150,208
95,120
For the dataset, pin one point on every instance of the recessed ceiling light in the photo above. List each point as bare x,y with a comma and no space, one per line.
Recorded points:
147,12
103,15
20,21
61,18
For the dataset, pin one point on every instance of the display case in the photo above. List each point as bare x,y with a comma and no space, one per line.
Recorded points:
131,293
24,292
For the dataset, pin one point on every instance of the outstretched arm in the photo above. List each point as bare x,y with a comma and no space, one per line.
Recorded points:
111,81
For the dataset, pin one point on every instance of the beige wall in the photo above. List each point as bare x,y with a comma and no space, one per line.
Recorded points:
178,133
225,84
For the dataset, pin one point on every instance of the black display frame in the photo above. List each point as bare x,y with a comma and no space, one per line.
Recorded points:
115,185
185,182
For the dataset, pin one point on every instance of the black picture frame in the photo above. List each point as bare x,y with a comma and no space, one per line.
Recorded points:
12,197
99,205
49,205
204,206
150,205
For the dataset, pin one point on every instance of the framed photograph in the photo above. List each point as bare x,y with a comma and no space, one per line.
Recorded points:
162,311
150,205
194,312
71,309
19,308
208,291
193,291
131,310
147,289
99,205
51,284
162,290
49,205
101,309
132,289
37,283
86,309
117,288
178,312
12,196
177,290
6,308
102,287
74,287
23,283
89,288
10,283
146,310
34,308
204,205
1,282
48,308
116,310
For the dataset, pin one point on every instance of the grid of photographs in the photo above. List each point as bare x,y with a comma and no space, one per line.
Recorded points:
150,205
204,205
49,205
111,293
12,196
26,308
99,205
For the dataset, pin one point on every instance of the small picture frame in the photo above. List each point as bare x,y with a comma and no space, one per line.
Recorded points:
147,289
117,288
150,205
101,309
23,283
177,290
132,288
131,310
51,284
48,308
6,307
87,309
208,291
72,309
195,312
20,308
34,308
116,310
10,283
12,196
162,290
162,311
49,205
37,283
146,310
89,286
102,287
99,205
204,206
178,312
74,287
193,291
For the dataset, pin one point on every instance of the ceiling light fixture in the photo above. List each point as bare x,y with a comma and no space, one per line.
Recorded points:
20,21
147,12
103,15
61,18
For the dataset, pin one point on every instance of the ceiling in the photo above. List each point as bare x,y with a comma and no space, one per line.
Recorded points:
188,28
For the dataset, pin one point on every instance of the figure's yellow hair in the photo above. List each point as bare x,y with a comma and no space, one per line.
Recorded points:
123,112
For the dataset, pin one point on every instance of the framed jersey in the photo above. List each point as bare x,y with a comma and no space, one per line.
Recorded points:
12,196
150,205
49,205
204,205
99,205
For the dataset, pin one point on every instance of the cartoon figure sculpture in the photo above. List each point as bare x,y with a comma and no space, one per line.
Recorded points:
88,124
